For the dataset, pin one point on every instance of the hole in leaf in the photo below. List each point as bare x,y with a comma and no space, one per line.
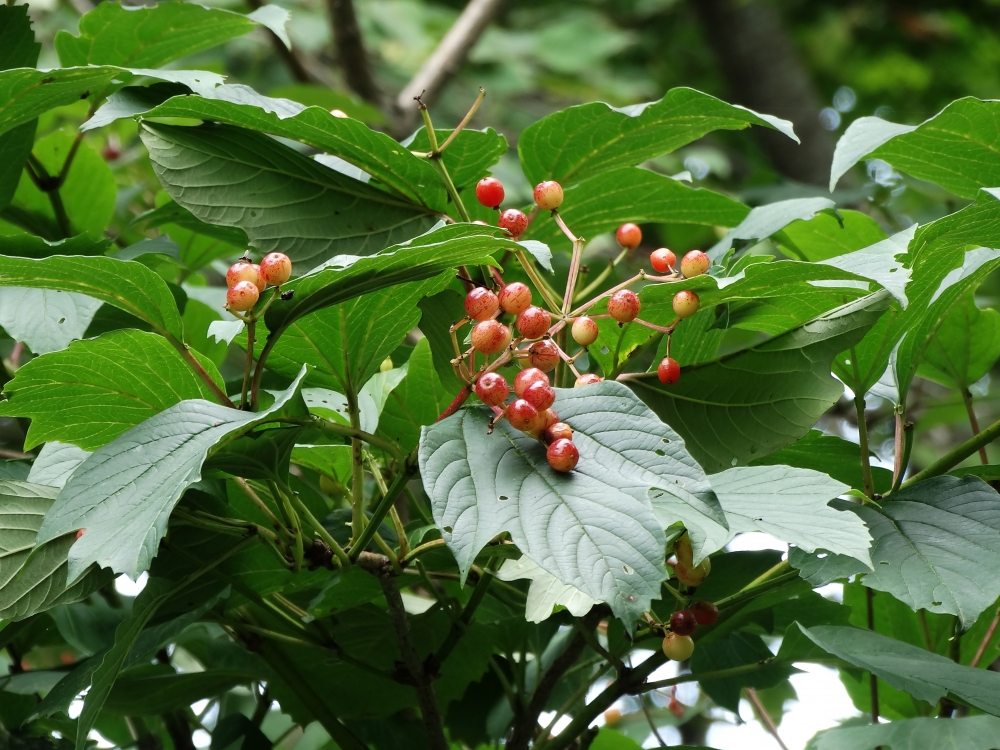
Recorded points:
883,562
628,570
821,555
893,270
936,604
734,461
658,494
630,598
447,529
666,440
753,448
605,350
502,498
659,452
253,213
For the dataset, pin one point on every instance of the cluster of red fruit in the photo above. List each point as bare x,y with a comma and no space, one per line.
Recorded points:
677,643
247,281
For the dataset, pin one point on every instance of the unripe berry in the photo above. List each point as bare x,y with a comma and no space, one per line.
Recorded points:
669,371
548,195
693,576
526,377
513,221
490,337
682,548
678,647
557,431
562,455
533,322
683,622
612,716
686,303
705,613
629,236
275,268
588,378
481,303
549,418
624,306
585,331
515,298
489,192
544,355
242,296
245,272
540,395
492,389
662,260
522,415
694,263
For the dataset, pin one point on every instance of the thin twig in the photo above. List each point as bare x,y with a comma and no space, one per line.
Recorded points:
986,640
764,716
465,121
351,53
967,398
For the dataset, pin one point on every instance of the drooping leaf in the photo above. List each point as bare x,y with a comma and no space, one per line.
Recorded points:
821,567
546,591
55,463
823,237
965,345
736,650
968,733
45,320
763,221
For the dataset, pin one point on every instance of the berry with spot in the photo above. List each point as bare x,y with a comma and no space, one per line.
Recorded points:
548,195
557,431
662,260
526,377
534,322
490,337
683,622
275,268
515,298
694,263
513,221
669,371
242,271
562,455
585,331
677,647
629,236
549,418
489,192
624,306
492,389
686,303
705,613
481,303
540,395
242,296
588,378
544,355
523,415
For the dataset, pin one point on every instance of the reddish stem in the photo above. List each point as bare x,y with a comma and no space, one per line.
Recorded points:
455,405
986,640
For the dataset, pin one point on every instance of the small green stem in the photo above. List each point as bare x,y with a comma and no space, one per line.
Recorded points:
543,288
248,367
403,475
465,120
463,213
320,529
599,279
859,407
974,423
293,523
954,457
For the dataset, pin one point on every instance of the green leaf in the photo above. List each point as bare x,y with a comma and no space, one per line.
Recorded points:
469,157
416,402
823,237
763,221
31,583
29,246
790,504
124,492
956,148
151,694
936,546
55,463
608,739
283,200
15,146
753,402
968,733
610,540
736,650
924,675
45,320
965,345
437,315
170,216
546,591
585,140
18,49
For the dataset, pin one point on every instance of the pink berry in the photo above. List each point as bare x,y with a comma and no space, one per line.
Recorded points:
557,431
523,416
548,195
540,395
481,303
544,355
662,260
585,331
492,389
669,371
526,377
533,322
489,192
245,272
242,296
629,236
515,298
513,221
624,306
562,455
490,337
275,268
549,418
588,378
686,303
694,263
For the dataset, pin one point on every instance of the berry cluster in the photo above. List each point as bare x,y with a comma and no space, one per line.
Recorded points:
247,280
677,642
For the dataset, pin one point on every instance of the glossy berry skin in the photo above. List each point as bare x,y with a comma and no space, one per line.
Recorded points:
557,431
588,378
523,415
683,622
686,303
492,389
629,236
490,337
585,331
677,647
275,268
481,303
245,272
515,298
242,296
694,263
624,306
669,371
662,260
526,377
562,455
540,395
693,575
549,418
705,613
533,322
548,195
489,192
513,221
544,355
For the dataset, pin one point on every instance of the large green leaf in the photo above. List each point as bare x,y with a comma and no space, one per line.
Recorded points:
750,403
39,582
736,650
591,138
956,148
55,463
45,320
545,591
593,528
416,402
122,495
469,156
824,237
968,733
763,221
18,49
965,345
150,694
95,390
283,200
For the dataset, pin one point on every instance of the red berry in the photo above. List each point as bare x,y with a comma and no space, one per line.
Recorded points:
523,415
515,298
533,322
669,371
544,355
481,303
540,395
585,331
110,152
489,192
694,263
275,268
492,389
80,533
683,622
242,296
562,455
526,377
549,418
490,337
677,647
557,431
513,221
662,260
548,195
705,613
629,236
624,306
245,272
686,303
588,378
